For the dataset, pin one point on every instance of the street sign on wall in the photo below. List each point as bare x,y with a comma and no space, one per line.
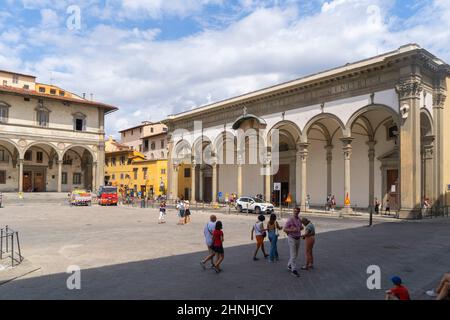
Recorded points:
277,186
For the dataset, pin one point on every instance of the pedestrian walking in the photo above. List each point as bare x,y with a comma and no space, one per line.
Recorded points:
377,206
309,237
272,229
187,212
293,229
333,203
208,233
328,203
162,212
217,248
388,207
260,233
181,210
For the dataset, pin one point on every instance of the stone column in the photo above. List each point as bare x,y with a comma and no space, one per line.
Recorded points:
329,149
439,98
267,179
428,168
302,155
175,167
409,90
347,149
239,174
20,175
60,163
371,155
194,164
200,184
94,176
214,182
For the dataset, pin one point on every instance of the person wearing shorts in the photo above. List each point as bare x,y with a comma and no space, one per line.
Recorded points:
217,248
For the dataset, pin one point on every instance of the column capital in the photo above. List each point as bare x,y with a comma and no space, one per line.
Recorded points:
20,161
347,147
59,161
439,98
347,141
302,150
409,87
329,147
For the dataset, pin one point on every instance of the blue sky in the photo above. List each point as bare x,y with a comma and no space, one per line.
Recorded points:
152,58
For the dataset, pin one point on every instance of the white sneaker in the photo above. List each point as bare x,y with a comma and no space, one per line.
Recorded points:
431,293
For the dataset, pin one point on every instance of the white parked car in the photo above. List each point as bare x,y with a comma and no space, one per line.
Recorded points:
253,205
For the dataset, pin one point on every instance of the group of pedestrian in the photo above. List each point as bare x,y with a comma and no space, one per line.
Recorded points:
330,203
293,228
214,241
184,212
378,208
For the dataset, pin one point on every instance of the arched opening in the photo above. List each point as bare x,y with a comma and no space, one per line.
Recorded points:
201,175
226,154
375,158
427,138
325,161
78,169
9,171
40,173
284,152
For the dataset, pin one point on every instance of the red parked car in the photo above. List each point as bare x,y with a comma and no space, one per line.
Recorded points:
108,196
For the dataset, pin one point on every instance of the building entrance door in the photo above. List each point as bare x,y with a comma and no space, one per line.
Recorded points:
27,182
392,188
39,182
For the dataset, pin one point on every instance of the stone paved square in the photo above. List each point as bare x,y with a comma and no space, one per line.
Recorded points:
124,254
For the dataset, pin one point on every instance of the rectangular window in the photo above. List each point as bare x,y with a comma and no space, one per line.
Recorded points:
163,171
132,131
121,176
113,161
79,124
135,173
153,146
144,171
5,82
42,118
67,160
52,91
3,113
151,130
3,156
187,172
64,178
26,87
122,159
140,130
15,79
39,157
107,162
28,156
113,176
2,177
41,89
145,145
62,93
140,148
77,178
162,144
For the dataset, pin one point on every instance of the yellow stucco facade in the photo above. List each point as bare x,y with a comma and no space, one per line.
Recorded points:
128,169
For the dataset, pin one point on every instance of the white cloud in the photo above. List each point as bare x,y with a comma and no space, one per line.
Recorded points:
149,78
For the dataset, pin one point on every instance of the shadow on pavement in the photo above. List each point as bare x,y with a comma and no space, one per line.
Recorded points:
418,252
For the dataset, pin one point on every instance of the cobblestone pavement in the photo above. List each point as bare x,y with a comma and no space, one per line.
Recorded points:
124,254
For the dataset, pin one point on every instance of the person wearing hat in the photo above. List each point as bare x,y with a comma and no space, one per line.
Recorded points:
309,237
187,212
399,291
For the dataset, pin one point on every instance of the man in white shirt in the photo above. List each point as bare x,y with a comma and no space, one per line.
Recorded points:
208,232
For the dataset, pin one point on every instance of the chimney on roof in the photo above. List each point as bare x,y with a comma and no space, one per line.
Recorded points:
84,95
92,97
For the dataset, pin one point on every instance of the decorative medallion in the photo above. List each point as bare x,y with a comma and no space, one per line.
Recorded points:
23,143
61,146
